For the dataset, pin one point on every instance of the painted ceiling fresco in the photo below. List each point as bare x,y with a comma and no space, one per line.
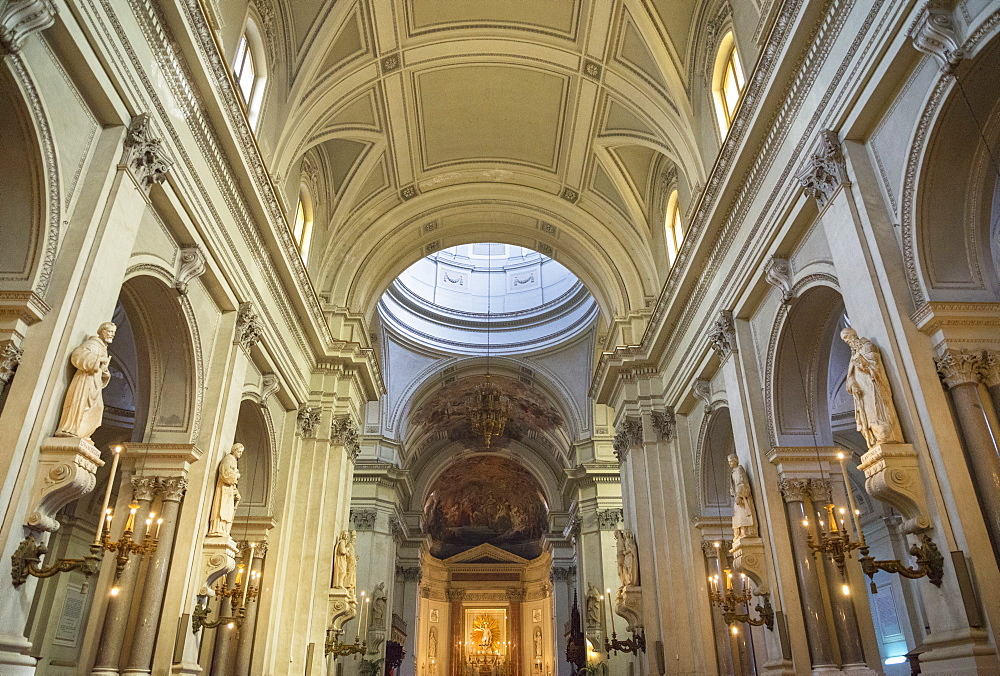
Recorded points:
445,411
486,499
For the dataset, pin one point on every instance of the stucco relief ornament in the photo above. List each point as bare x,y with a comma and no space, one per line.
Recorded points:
723,335
191,265
83,407
227,495
874,412
10,357
248,327
665,423
933,33
744,516
345,430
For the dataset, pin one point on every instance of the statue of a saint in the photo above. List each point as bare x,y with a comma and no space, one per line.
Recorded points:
538,642
352,563
227,495
432,643
342,555
83,407
874,412
487,639
628,558
744,520
593,607
378,607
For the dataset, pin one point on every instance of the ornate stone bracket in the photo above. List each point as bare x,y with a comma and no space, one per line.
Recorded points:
144,155
248,327
308,420
825,172
933,33
268,385
628,435
218,557
191,264
748,558
21,18
778,273
892,475
702,391
343,608
67,470
723,335
628,604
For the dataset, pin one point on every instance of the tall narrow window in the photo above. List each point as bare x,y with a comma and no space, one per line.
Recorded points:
674,231
249,72
302,228
728,82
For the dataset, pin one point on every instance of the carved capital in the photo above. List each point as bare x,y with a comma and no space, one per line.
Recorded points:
515,595
344,430
664,423
628,435
608,519
723,335
248,327
990,371
145,487
959,367
67,470
307,421
173,487
823,174
10,357
408,573
820,491
21,18
191,264
778,273
563,573
144,155
456,595
363,519
933,33
709,549
794,490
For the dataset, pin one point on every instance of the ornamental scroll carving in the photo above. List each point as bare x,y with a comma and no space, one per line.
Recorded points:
144,155
628,435
778,273
823,174
933,33
191,265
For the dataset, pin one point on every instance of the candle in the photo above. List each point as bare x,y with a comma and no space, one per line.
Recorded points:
611,610
156,533
130,523
361,618
107,492
368,616
604,617
246,585
850,498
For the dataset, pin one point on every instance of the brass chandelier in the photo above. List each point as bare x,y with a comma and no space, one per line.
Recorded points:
488,409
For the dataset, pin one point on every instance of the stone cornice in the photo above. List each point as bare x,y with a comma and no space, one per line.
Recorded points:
959,325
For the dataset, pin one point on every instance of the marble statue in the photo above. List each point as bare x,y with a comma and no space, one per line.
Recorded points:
538,642
744,517
378,606
874,412
83,407
487,639
628,558
227,495
342,555
432,643
593,607
352,563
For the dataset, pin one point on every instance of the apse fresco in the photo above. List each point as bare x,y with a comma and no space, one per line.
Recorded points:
445,411
486,499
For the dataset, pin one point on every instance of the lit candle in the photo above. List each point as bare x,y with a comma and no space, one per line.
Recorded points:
107,492
130,523
604,617
246,585
611,611
156,533
368,616
850,498
729,579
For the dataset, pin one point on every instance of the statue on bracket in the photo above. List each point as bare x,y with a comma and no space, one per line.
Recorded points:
628,558
874,412
378,607
83,407
593,607
744,517
345,565
227,495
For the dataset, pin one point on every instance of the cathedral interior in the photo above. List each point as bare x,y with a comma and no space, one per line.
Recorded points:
499,337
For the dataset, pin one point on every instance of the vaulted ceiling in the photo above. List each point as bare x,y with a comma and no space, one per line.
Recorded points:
552,124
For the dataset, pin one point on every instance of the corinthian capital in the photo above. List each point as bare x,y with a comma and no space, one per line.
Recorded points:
628,435
991,368
794,490
173,487
723,335
825,171
144,154
959,367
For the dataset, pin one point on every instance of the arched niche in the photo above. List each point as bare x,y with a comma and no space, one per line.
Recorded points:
713,468
799,395
951,212
22,191
253,431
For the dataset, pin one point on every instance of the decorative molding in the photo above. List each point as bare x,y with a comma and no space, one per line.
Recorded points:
191,265
825,172
723,335
959,367
608,519
664,423
21,18
628,435
363,519
778,273
307,421
144,155
933,33
344,430
248,327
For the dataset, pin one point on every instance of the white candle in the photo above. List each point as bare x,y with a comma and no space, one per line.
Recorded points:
107,493
611,610
246,578
850,498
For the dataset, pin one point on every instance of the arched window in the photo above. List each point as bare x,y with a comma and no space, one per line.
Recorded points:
728,82
674,231
249,71
302,227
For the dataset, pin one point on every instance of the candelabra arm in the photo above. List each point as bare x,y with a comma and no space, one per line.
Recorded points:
930,563
199,618
26,562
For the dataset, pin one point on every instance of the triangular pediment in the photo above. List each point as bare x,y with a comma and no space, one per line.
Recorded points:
486,553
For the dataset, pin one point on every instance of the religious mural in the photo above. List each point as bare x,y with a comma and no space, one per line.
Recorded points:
445,411
486,499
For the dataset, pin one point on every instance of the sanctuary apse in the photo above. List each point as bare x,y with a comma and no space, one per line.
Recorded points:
506,337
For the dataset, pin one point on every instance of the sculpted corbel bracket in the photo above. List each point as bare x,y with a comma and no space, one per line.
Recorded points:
218,558
191,264
892,475
343,607
628,605
933,33
748,558
67,470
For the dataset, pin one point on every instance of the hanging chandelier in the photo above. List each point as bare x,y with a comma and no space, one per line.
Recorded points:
488,410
